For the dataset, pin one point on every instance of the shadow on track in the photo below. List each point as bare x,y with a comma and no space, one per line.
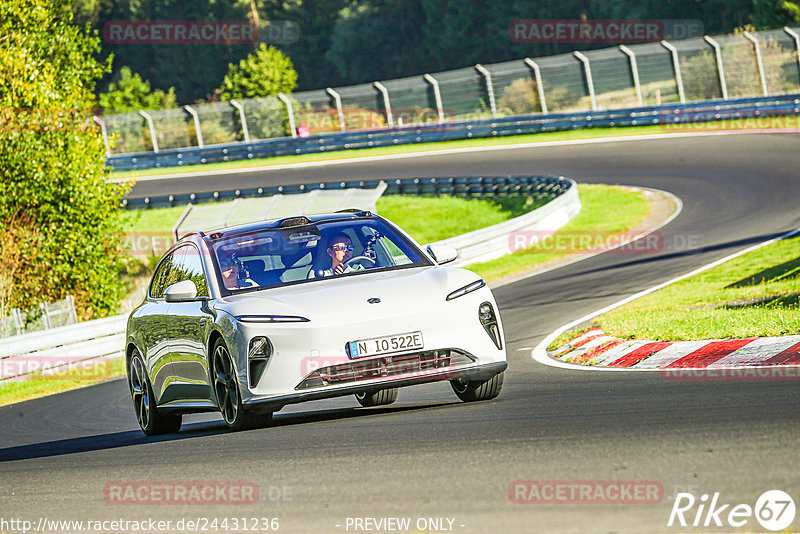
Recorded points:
128,438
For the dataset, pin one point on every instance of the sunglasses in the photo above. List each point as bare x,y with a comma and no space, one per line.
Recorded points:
340,247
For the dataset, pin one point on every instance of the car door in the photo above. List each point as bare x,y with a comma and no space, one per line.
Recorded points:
187,323
153,327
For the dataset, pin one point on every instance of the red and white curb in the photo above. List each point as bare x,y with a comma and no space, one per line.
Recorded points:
595,348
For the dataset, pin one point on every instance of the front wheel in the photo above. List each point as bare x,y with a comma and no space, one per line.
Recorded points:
478,390
151,421
377,398
229,400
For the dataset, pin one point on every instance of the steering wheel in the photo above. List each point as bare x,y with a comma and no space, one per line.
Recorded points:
359,258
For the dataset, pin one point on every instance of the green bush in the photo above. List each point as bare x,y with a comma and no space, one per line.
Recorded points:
130,93
265,72
51,162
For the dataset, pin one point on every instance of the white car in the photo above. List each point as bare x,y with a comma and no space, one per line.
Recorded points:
246,320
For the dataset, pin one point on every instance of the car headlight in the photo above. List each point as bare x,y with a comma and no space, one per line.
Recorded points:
488,319
258,354
466,289
271,319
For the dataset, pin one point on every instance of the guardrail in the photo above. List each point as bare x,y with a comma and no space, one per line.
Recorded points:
105,338
671,116
52,350
464,187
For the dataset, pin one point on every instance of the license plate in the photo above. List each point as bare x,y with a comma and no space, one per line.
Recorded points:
385,345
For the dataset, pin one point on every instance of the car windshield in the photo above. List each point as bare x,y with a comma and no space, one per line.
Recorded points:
279,256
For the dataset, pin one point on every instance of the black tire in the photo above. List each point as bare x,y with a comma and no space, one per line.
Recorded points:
150,419
229,398
377,398
478,390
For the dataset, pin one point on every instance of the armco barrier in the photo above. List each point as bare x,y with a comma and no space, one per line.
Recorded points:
464,187
669,116
105,338
63,346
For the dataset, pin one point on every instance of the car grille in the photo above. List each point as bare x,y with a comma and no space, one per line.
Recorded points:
405,365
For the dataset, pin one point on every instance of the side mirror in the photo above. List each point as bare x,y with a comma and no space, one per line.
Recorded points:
442,253
181,292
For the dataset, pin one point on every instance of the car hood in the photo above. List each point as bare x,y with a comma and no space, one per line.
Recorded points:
399,291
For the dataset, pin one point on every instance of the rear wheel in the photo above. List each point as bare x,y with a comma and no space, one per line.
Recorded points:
151,421
478,390
229,400
377,398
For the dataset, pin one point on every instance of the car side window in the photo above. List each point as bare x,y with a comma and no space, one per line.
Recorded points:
191,268
164,274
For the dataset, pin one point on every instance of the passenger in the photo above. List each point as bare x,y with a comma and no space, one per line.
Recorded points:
234,275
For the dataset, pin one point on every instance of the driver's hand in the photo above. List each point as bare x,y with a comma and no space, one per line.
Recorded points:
339,269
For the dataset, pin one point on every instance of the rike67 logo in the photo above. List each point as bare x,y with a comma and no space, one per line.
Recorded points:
774,510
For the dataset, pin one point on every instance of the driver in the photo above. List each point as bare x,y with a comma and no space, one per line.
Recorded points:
234,274
340,251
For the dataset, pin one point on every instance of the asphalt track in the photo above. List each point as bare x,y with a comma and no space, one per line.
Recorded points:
430,456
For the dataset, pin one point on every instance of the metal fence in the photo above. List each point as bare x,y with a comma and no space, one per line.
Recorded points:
45,317
743,64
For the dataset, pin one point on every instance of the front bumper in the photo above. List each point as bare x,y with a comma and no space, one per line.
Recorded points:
473,371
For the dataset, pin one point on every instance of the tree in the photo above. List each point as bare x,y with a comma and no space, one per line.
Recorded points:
775,13
378,40
52,174
265,72
316,20
130,93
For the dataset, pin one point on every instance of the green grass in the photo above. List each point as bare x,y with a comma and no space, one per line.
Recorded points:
430,219
721,303
606,211
40,385
593,133
153,221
